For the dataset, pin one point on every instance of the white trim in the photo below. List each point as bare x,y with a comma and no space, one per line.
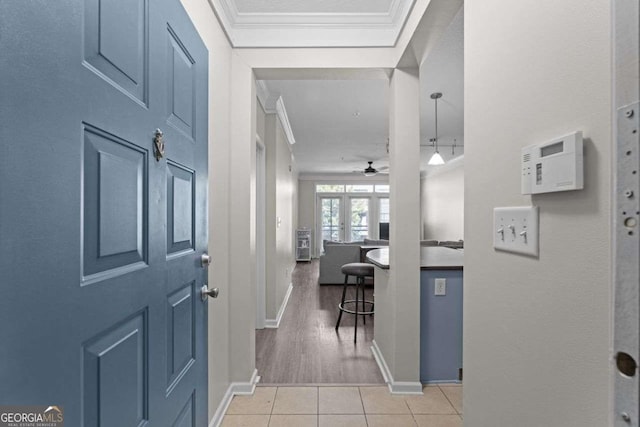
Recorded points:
284,120
261,276
234,389
275,323
246,29
395,387
340,178
382,364
263,94
406,387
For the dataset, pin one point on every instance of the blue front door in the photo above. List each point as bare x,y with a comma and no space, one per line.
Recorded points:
100,234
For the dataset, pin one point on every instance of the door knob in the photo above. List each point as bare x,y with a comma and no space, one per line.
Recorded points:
205,260
206,292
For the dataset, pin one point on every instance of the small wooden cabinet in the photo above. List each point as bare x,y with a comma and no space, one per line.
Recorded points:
303,245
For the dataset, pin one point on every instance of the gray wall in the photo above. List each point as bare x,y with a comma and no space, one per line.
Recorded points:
537,330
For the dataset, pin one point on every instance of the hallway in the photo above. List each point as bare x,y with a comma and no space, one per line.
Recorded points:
306,349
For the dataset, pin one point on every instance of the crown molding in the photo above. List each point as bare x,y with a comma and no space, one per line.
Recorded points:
312,29
262,92
275,107
284,120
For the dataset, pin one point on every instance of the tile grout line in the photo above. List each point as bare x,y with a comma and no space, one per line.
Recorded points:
364,412
413,417
448,400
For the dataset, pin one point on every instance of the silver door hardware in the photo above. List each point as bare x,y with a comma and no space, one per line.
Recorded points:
205,260
158,145
206,292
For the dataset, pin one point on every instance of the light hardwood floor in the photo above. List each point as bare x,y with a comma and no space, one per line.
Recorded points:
306,349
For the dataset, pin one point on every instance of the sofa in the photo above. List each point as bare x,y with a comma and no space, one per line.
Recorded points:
335,255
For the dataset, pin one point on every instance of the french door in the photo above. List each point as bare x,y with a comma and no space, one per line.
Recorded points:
331,217
344,218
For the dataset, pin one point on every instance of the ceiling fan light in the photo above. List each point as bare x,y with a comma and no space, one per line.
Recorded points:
370,173
436,159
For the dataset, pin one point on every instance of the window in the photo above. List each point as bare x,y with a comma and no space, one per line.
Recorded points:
329,188
359,188
330,218
382,188
384,210
359,218
351,211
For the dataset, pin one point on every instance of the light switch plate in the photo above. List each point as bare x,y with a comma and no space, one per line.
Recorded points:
515,229
440,287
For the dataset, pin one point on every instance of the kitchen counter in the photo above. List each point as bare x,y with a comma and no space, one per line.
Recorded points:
431,258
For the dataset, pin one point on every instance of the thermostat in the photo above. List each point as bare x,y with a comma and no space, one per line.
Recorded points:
553,166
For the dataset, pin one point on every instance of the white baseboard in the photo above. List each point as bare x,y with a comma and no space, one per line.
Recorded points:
275,323
234,389
395,387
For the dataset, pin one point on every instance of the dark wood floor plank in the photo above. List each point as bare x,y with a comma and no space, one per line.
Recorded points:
306,349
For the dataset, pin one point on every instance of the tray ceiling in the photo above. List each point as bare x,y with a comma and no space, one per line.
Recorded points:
340,125
313,23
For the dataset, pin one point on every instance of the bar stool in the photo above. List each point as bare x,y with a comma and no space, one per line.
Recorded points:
360,270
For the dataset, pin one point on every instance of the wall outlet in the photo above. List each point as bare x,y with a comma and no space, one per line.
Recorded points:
440,288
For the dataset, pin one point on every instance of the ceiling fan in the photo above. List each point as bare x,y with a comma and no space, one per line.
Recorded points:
371,171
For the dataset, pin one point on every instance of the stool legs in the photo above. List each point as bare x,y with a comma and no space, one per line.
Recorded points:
344,294
364,318
355,330
360,288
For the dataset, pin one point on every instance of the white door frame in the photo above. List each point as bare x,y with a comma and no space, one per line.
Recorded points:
625,236
261,276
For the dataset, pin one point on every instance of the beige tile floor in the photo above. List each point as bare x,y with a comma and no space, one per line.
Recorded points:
329,406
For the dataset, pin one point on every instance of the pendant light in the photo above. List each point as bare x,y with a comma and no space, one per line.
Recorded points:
436,159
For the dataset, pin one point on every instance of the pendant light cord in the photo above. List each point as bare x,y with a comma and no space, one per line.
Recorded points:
436,142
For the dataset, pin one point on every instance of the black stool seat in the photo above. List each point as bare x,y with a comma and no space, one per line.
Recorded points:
360,270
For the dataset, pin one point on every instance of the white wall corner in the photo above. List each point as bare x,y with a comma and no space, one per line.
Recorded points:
284,120
395,387
275,323
234,389
262,92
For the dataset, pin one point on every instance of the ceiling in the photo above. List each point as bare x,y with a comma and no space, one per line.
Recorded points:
339,125
312,23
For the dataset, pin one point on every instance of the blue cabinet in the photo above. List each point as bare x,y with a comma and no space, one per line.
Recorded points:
440,327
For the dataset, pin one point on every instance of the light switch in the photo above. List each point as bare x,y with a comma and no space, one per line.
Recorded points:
515,229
